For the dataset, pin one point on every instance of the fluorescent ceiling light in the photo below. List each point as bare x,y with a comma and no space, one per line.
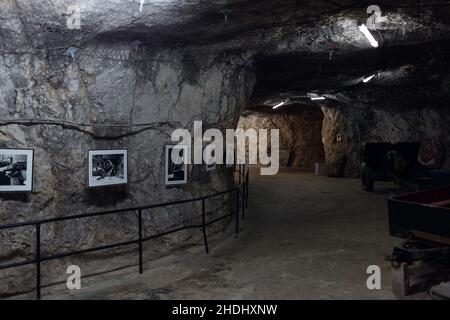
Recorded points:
365,80
279,105
317,98
368,35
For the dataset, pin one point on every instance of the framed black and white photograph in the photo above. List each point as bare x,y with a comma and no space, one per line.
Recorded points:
176,172
16,170
107,168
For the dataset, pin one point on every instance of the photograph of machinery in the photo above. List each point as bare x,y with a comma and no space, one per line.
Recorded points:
340,108
107,167
16,170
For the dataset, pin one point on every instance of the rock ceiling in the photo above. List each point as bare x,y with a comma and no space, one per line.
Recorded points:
293,46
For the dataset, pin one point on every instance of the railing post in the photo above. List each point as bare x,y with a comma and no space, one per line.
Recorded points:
243,200
240,174
247,178
238,191
38,261
140,241
204,225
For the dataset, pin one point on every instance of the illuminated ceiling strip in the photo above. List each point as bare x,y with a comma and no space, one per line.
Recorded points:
279,105
365,80
368,35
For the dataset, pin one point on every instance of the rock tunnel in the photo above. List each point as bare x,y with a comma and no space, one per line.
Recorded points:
79,76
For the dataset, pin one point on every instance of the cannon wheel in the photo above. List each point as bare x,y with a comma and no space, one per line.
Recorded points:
367,179
400,278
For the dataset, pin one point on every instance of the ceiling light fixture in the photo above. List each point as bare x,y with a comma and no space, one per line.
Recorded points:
279,105
142,5
368,35
365,80
318,98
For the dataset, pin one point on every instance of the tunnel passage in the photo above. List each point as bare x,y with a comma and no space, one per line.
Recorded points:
300,131
392,94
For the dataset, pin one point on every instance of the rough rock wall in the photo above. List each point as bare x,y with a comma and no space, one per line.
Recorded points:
300,134
109,97
360,124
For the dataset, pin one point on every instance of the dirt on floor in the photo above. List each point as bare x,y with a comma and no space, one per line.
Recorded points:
305,237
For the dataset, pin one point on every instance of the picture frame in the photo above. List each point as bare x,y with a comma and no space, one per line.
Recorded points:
107,167
175,174
16,170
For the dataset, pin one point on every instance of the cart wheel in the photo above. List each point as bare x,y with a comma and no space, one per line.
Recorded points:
400,278
367,179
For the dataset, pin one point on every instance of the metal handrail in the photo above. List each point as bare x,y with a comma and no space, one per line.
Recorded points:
243,183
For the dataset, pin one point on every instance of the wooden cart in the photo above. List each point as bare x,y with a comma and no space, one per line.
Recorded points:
423,220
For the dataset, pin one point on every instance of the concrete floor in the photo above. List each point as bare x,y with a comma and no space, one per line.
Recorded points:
306,237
